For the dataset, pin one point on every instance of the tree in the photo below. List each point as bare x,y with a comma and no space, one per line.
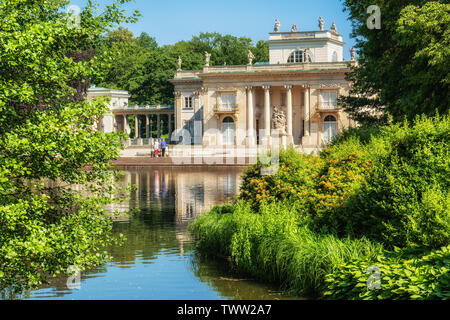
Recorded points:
403,67
48,143
127,69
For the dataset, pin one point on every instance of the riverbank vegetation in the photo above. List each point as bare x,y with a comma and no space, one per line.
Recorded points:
55,177
377,196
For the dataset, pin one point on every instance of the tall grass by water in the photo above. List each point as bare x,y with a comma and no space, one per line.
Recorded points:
271,245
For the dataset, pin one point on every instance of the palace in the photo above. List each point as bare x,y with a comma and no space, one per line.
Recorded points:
237,105
293,96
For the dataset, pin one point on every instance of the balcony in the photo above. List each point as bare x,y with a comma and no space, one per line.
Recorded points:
324,107
226,109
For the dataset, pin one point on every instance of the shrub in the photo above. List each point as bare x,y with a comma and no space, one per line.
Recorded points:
405,200
389,184
404,276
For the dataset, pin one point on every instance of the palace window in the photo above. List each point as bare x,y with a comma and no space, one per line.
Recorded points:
329,128
296,56
299,56
329,99
227,101
188,103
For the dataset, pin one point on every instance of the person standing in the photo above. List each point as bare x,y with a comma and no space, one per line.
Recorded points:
156,148
163,147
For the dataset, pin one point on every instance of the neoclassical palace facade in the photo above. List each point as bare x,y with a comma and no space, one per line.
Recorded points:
237,105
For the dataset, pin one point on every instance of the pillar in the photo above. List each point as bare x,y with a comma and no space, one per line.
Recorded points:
125,124
136,127
170,126
250,117
147,126
289,117
267,126
307,110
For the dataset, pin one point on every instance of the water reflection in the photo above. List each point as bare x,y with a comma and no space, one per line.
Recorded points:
158,261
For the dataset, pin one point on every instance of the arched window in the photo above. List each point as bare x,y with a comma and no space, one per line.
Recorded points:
296,57
299,56
228,120
329,128
334,57
228,131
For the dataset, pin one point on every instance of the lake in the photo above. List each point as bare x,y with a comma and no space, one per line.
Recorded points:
158,261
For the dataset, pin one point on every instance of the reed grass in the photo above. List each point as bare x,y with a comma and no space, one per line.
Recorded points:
271,245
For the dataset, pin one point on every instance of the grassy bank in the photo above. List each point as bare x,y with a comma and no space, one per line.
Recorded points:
272,246
377,196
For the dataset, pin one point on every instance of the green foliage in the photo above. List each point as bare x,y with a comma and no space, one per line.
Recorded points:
390,184
403,67
403,276
404,201
272,246
144,69
54,166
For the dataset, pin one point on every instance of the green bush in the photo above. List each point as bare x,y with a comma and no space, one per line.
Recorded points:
390,184
405,200
404,276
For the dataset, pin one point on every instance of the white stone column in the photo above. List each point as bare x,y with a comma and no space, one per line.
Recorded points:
289,118
125,124
307,107
136,127
147,126
267,126
250,117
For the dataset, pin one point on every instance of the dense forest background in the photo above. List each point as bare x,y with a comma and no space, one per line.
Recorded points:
143,68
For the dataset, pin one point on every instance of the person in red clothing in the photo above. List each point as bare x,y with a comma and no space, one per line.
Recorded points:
156,148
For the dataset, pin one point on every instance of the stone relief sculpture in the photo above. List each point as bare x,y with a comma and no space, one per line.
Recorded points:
279,120
179,63
207,58
334,28
353,53
277,26
294,28
321,23
250,58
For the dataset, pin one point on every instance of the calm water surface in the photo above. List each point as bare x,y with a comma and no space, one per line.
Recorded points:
158,262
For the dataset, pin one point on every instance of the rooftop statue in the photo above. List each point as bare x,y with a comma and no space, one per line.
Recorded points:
277,26
334,28
321,23
250,58
207,58
179,63
353,53
294,28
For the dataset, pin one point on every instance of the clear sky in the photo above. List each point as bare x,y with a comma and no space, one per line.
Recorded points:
171,21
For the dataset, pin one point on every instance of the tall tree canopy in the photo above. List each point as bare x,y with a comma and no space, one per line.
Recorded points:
48,140
144,69
404,66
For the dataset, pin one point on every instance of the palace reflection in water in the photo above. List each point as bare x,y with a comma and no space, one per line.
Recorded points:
158,260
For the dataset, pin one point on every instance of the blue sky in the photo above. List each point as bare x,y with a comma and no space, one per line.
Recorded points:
175,20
